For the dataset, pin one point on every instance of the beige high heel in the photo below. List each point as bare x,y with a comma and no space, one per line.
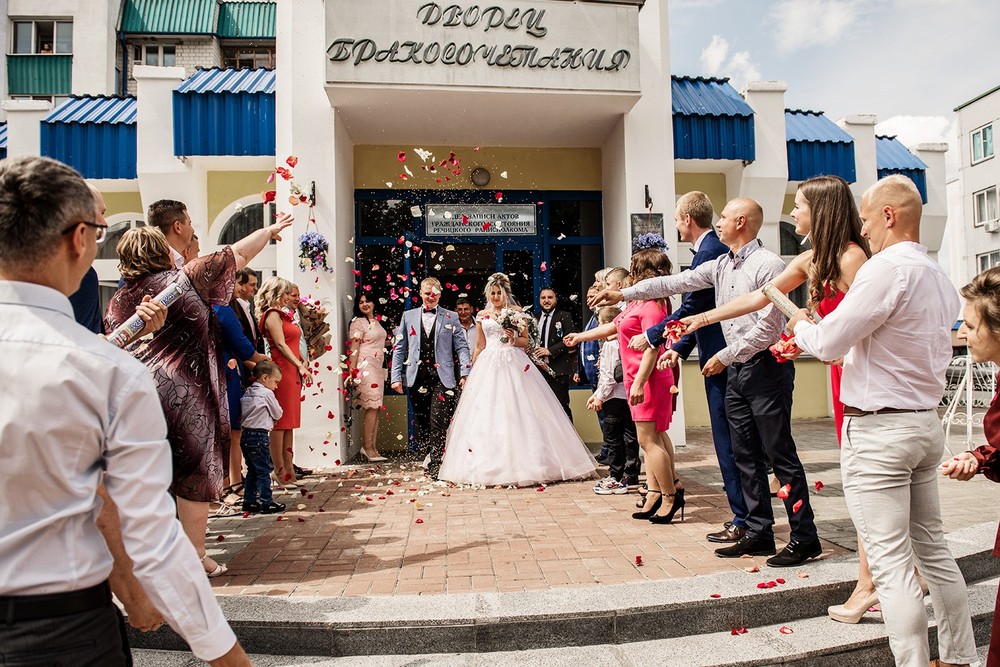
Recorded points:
844,614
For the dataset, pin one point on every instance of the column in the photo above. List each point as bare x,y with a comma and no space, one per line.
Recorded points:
307,126
24,126
861,127
935,215
766,178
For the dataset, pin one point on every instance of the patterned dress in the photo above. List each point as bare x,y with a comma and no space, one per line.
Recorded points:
184,359
370,336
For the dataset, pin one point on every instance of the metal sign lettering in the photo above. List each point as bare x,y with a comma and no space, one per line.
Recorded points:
481,220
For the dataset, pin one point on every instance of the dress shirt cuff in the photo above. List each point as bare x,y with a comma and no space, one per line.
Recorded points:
725,356
216,642
649,340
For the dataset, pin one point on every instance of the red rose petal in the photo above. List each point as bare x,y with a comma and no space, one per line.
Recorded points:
419,521
785,630
220,538
784,491
715,595
401,156
780,581
819,486
796,507
638,560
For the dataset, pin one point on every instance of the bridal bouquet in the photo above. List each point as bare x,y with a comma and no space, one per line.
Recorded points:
519,320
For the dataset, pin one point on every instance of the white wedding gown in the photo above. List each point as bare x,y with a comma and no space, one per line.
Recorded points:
509,428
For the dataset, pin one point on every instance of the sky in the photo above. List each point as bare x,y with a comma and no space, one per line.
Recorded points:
909,62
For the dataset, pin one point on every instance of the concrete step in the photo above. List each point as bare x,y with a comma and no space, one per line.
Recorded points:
812,642
489,623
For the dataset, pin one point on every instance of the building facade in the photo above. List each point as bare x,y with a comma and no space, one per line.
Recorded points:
536,138
978,183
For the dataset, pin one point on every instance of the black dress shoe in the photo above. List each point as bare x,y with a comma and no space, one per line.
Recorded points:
796,553
749,546
252,508
728,534
301,472
272,508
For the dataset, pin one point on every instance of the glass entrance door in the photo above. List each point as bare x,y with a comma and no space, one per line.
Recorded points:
520,261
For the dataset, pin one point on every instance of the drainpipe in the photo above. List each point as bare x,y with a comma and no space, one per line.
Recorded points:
123,83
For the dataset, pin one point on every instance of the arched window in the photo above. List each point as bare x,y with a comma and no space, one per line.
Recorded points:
791,245
117,226
244,222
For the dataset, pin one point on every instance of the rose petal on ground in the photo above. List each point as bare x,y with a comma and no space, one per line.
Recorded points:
220,538
401,156
638,560
819,486
715,595
785,630
780,581
419,520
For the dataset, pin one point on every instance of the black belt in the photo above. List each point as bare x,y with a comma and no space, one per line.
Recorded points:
858,412
16,608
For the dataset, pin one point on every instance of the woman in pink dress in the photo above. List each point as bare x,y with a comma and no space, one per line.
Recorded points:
981,331
368,342
649,388
825,212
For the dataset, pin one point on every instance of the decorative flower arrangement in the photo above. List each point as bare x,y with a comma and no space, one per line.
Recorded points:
313,246
649,241
521,320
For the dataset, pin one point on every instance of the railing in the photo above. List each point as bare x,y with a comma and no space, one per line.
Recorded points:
39,74
968,385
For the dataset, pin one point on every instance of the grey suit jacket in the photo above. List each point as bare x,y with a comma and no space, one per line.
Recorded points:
449,342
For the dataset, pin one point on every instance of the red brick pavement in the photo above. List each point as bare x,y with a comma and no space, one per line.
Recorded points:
369,531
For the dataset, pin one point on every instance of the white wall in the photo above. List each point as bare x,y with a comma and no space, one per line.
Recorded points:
935,214
766,178
308,128
861,127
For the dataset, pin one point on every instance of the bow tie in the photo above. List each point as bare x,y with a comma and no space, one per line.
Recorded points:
430,310
693,251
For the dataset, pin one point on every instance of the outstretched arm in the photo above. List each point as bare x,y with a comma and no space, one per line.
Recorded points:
794,275
597,333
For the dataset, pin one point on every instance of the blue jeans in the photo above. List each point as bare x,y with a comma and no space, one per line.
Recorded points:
255,443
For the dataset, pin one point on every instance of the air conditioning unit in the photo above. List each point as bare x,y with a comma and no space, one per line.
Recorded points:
992,225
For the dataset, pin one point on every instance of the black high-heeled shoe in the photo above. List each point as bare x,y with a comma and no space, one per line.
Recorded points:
652,510
678,504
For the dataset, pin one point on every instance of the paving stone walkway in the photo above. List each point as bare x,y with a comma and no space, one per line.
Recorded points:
366,530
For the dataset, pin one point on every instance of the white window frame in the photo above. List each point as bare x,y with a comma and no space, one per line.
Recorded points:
146,48
977,140
35,49
978,218
987,260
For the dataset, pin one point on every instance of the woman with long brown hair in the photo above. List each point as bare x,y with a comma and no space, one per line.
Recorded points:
648,387
824,211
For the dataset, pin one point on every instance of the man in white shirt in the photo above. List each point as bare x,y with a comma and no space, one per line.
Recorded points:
171,218
55,602
894,326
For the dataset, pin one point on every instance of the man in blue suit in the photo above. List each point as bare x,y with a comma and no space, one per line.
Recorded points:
428,341
694,225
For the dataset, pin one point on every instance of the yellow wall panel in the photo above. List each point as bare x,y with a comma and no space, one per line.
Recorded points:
225,187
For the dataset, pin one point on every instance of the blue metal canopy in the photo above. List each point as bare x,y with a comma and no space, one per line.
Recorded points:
711,121
893,157
94,135
3,140
225,112
817,146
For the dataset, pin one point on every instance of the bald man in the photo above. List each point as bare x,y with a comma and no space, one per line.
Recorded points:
759,389
894,331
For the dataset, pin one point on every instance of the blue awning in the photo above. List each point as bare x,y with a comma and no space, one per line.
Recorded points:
3,140
711,121
893,157
94,135
225,112
817,146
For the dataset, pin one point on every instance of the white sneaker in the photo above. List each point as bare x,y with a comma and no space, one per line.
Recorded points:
610,486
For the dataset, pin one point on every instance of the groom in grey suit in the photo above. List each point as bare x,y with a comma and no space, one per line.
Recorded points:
428,341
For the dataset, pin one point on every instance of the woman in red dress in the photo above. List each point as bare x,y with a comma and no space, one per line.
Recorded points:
981,331
282,336
183,357
648,387
825,212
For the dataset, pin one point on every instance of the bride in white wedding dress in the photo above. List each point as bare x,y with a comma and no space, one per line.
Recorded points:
509,428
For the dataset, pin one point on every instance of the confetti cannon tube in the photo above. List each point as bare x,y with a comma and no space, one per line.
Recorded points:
131,327
783,303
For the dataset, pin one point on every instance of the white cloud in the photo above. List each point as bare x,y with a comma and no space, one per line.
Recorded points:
803,23
692,4
716,61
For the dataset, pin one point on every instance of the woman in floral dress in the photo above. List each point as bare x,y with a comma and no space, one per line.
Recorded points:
368,342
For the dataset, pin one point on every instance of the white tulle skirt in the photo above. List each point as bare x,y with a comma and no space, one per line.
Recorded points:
509,428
